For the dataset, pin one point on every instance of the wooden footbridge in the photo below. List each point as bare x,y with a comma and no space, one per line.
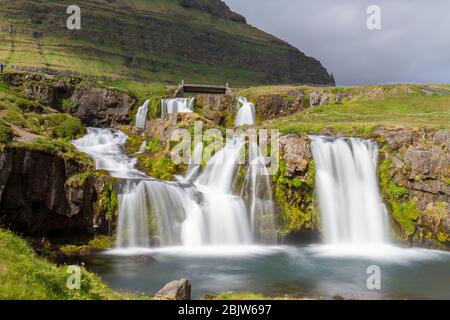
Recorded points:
198,88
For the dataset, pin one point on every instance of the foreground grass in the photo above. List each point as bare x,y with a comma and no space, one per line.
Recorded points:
362,113
25,276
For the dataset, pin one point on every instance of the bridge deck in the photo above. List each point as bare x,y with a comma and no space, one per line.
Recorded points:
197,88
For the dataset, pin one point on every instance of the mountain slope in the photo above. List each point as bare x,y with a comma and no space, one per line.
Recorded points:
161,40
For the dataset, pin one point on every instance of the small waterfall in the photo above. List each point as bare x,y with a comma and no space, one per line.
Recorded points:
350,204
141,115
200,209
246,113
180,105
142,147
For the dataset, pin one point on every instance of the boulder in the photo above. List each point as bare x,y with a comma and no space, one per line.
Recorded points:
176,290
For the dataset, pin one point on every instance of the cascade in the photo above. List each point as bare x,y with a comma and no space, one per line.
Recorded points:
141,115
347,191
180,105
202,208
246,113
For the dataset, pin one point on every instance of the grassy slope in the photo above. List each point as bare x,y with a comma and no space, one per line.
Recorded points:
23,275
155,40
396,106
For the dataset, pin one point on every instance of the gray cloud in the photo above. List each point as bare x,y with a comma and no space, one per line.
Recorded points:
413,45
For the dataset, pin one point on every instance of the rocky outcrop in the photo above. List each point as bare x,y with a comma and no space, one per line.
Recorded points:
175,290
99,107
415,177
36,197
219,109
293,188
96,107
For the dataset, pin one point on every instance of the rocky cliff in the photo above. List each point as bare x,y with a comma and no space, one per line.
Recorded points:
43,194
94,105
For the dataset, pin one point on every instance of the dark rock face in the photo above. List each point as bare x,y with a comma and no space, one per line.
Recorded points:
176,290
97,107
35,199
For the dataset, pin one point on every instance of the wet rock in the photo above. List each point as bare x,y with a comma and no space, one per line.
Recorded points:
176,290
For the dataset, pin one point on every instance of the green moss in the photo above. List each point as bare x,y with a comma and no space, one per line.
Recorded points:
69,129
68,105
25,276
405,213
160,168
397,192
6,134
442,236
78,181
61,148
101,242
108,201
153,145
295,197
70,250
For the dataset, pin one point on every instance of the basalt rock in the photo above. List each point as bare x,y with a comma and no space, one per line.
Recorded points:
99,107
36,200
419,173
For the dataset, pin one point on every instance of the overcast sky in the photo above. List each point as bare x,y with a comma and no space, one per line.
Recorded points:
413,44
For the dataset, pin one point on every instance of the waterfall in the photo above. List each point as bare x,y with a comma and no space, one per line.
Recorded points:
141,115
142,147
246,113
347,191
180,105
202,208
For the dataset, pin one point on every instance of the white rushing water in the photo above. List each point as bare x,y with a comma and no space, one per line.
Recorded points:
180,105
141,115
200,209
347,191
245,114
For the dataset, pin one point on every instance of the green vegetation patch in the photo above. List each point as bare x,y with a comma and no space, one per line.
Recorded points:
295,197
25,276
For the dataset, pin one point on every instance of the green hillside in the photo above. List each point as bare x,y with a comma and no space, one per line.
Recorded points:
158,40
